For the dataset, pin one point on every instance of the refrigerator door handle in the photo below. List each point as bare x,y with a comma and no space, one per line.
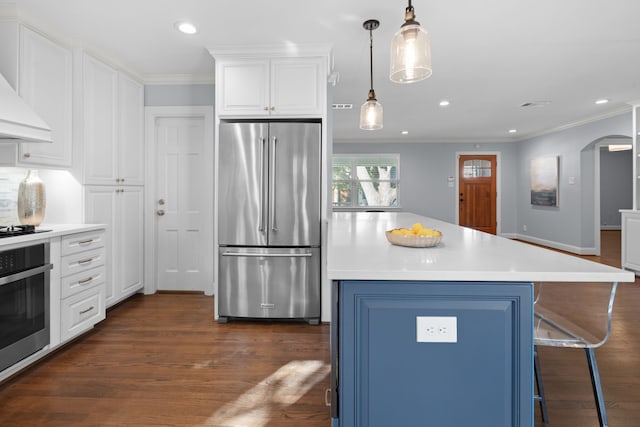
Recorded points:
262,186
274,225
258,255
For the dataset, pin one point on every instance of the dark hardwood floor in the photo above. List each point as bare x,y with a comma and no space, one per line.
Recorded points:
161,360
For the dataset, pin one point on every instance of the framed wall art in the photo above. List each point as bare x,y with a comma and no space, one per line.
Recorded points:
544,181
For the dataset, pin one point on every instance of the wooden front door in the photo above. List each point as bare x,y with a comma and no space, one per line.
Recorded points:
477,195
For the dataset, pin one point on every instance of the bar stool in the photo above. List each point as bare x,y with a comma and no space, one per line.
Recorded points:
585,323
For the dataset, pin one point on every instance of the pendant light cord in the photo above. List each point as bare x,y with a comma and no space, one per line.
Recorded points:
371,56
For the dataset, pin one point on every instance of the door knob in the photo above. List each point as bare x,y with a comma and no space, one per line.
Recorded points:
161,202
160,212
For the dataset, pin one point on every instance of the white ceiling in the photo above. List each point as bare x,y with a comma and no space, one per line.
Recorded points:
489,56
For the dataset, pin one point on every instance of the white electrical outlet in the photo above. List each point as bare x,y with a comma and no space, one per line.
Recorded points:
437,329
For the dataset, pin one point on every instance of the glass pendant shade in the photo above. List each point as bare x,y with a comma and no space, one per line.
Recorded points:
410,54
371,115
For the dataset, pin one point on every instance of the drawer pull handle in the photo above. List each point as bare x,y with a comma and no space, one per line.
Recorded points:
85,242
327,397
85,281
267,306
87,310
85,261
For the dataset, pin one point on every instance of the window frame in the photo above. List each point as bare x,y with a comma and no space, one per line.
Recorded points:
354,182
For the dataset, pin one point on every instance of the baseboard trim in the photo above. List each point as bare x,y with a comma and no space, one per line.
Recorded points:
555,245
610,227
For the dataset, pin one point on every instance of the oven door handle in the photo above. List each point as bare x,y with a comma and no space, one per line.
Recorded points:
24,274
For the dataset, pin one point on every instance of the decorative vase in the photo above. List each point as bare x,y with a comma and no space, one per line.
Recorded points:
31,199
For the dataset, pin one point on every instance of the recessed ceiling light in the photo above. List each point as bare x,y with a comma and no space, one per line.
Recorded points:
185,27
513,130
444,103
602,101
405,132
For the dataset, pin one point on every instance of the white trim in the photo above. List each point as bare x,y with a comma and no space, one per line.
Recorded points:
151,115
551,244
498,184
610,227
596,196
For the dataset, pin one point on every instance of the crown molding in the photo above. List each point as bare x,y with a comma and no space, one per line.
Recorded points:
613,113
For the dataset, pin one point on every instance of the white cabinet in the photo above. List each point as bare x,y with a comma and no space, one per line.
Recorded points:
122,209
271,87
82,283
112,125
41,71
630,240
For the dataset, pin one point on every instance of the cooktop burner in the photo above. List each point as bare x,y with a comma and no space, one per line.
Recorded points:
19,230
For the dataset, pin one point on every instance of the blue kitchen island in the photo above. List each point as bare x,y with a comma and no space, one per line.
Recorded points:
438,336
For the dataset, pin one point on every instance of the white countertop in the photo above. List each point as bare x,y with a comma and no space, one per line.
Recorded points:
53,230
358,250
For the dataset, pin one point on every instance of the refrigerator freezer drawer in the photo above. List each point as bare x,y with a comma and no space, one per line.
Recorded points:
281,283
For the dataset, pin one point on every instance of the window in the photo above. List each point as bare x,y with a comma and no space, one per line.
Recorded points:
365,181
476,168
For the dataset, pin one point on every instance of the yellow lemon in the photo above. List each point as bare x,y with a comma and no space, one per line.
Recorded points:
417,227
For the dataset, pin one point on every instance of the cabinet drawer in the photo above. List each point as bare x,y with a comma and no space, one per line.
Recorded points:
82,261
71,285
81,311
79,242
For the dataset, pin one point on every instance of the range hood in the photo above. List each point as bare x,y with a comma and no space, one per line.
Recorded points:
18,121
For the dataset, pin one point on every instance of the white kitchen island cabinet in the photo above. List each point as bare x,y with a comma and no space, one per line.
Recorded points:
121,209
278,87
441,334
40,70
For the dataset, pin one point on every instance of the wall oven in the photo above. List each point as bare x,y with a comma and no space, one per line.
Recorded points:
24,302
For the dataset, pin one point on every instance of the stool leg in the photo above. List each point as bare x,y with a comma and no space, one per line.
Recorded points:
597,387
540,396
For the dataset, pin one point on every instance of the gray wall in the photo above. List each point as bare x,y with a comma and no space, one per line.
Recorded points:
178,95
571,224
616,186
424,173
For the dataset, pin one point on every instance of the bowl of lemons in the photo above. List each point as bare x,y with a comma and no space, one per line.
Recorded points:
417,236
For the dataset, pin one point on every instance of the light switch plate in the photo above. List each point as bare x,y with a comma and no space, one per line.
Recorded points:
438,329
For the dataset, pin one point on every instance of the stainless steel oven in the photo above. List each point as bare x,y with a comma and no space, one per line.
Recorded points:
24,302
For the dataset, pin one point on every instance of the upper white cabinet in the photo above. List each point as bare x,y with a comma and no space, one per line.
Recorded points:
112,125
42,72
282,87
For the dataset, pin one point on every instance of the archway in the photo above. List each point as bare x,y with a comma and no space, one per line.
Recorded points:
601,175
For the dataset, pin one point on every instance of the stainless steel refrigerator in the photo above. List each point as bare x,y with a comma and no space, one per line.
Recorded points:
269,220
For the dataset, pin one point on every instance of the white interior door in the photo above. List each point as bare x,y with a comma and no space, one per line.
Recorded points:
184,203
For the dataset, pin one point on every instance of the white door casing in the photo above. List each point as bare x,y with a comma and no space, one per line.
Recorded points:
180,173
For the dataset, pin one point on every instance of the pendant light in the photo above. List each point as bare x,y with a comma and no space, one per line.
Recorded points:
371,110
410,51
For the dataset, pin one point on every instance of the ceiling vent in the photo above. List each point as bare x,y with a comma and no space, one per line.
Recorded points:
342,106
536,104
